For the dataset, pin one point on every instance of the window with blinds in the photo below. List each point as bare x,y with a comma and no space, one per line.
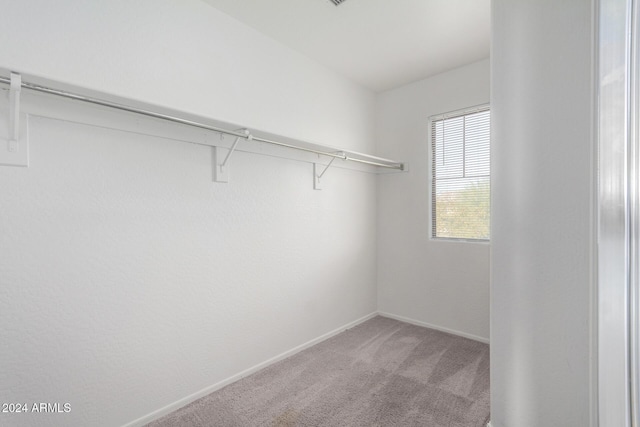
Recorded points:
460,168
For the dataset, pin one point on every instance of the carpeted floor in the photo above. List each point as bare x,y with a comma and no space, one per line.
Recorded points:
379,373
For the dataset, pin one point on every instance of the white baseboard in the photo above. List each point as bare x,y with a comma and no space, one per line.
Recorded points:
436,327
217,386
489,424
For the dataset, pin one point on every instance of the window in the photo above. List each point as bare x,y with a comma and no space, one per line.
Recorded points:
460,167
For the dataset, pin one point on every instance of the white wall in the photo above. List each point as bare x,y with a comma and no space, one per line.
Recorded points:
185,55
444,284
542,187
129,280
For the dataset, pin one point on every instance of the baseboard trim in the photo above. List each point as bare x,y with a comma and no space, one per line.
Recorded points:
489,424
436,327
217,386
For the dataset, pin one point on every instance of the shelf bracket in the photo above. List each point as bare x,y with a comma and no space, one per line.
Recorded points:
221,173
14,111
317,185
16,150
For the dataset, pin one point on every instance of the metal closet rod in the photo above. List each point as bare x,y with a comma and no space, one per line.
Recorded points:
148,113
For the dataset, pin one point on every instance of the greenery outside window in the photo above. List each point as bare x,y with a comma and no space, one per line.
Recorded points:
460,175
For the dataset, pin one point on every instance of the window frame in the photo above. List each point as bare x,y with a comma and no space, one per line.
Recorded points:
431,120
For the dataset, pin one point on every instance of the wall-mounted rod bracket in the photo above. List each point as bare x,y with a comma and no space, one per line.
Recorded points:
15,153
14,111
221,167
317,185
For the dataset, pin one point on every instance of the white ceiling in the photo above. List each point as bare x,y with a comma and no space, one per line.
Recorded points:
380,44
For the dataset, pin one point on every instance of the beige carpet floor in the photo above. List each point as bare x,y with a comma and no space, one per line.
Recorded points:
379,373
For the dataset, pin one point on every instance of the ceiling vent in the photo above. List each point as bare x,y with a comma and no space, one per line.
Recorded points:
337,2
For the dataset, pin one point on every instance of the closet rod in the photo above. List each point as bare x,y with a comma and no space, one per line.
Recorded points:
341,155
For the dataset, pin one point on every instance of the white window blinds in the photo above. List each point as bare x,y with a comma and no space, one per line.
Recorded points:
460,171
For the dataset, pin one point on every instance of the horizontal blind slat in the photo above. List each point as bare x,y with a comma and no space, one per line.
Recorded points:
460,193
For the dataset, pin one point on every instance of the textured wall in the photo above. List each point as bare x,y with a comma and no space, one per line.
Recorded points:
542,188
445,284
129,280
